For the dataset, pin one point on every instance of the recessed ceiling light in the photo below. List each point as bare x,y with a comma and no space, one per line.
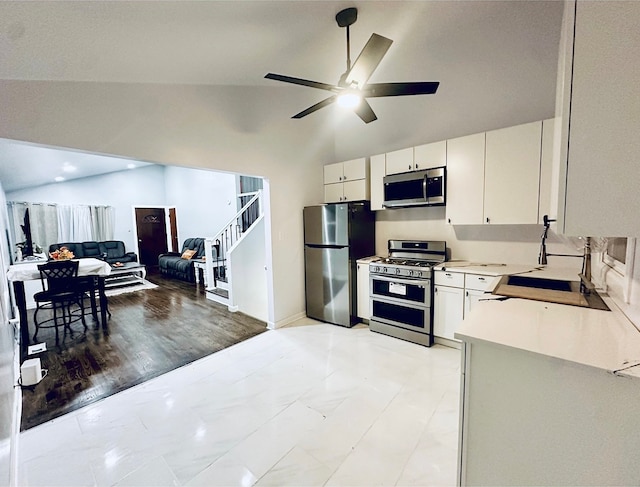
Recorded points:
68,167
59,179
131,166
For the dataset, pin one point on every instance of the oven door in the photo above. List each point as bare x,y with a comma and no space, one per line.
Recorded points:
404,291
391,312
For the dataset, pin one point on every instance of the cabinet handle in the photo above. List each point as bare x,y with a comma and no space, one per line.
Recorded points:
480,278
467,293
344,178
487,219
449,220
448,275
416,166
409,166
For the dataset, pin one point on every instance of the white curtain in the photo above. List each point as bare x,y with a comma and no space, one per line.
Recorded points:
44,223
102,222
51,223
74,223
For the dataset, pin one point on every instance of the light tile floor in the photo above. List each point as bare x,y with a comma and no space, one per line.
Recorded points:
312,404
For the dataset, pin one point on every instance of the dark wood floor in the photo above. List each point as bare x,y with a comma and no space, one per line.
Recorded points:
150,332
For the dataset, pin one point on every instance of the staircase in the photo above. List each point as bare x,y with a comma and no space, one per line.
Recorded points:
219,249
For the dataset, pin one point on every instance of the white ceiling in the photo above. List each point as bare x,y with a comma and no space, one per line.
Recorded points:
488,46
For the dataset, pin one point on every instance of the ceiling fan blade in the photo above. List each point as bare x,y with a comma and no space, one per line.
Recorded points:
365,112
317,106
401,89
302,82
368,60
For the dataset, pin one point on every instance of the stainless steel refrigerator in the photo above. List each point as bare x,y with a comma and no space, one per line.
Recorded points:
335,236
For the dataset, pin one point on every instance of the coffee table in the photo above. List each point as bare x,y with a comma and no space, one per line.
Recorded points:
125,275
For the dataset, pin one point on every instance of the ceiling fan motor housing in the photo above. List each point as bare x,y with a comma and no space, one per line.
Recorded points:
347,17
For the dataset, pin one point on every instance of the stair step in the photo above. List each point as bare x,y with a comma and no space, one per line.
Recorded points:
219,292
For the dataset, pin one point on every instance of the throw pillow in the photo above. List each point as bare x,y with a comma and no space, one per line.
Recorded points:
187,254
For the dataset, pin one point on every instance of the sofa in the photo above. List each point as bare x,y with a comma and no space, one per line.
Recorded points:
111,251
180,264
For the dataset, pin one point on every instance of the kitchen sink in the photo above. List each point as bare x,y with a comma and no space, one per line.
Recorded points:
549,290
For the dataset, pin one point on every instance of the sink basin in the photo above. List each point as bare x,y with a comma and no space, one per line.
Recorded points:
541,283
548,290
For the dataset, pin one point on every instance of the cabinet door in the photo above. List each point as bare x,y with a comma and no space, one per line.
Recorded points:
601,133
430,155
354,169
333,173
363,291
471,297
549,171
448,308
355,190
400,161
512,174
377,184
333,193
465,180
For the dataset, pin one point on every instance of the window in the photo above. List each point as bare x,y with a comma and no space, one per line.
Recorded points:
616,253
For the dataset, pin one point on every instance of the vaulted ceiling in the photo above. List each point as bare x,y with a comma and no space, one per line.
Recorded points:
484,53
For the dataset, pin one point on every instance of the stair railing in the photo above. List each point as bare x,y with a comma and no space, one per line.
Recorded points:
217,247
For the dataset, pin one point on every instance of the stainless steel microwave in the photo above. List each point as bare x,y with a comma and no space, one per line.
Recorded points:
415,188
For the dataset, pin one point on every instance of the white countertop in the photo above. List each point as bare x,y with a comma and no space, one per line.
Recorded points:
603,339
487,269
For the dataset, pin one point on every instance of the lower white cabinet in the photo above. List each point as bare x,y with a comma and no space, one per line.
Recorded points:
448,303
455,294
363,289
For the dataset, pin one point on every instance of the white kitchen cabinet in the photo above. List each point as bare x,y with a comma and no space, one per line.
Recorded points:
430,155
512,174
363,290
378,171
346,181
475,286
347,191
400,161
600,146
448,311
448,303
465,180
549,171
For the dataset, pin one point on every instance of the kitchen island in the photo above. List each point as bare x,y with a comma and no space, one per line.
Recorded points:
549,395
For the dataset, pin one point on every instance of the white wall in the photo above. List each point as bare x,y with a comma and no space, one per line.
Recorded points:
248,274
205,200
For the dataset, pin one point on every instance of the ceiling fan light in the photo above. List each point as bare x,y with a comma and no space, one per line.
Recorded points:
349,100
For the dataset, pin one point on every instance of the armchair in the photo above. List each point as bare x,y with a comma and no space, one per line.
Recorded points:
172,264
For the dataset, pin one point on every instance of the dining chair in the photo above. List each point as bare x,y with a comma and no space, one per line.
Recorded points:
60,292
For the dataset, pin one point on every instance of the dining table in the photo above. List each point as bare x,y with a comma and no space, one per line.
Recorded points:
23,271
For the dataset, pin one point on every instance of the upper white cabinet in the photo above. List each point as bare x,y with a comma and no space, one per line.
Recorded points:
600,149
512,174
494,177
347,181
465,180
378,171
400,161
430,155
549,171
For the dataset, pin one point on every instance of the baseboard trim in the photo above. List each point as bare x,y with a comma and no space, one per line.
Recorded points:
233,309
14,481
286,321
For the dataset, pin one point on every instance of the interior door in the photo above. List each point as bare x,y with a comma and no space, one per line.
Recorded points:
152,234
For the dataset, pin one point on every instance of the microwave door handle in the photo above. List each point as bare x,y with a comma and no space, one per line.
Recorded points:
424,188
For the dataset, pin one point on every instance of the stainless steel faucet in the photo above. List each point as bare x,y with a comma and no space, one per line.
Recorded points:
586,285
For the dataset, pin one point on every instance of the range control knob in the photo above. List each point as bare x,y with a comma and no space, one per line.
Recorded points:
419,273
398,271
411,273
384,270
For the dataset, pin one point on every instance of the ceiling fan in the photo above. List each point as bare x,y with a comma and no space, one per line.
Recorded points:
352,88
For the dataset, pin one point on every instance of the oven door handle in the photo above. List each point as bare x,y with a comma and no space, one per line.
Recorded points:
423,282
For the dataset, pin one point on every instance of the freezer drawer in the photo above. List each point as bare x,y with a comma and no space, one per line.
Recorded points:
328,284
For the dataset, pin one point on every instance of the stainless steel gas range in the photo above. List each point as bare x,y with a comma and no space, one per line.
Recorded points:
401,290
